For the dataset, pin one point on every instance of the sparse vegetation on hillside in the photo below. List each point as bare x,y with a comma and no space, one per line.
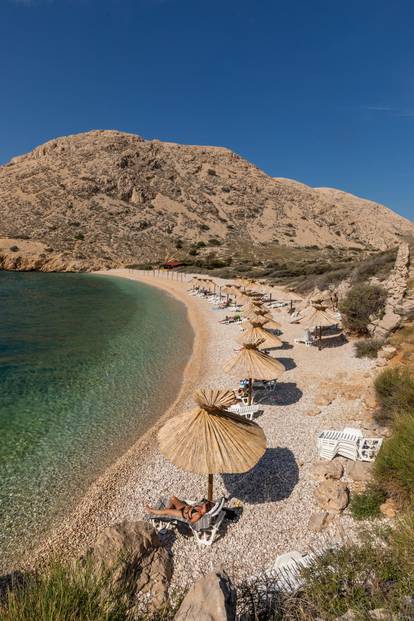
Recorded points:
360,304
394,466
368,348
394,388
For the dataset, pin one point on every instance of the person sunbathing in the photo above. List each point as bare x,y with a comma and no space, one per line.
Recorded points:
182,510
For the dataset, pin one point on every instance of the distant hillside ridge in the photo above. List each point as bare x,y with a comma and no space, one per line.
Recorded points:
107,199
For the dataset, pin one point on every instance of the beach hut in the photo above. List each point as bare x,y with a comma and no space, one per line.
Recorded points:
210,440
253,364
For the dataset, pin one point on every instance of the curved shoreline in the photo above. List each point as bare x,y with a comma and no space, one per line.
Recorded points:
92,513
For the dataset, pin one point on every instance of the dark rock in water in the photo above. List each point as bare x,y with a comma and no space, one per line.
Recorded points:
132,554
212,598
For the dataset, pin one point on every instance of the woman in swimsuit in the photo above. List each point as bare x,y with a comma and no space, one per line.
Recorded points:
180,509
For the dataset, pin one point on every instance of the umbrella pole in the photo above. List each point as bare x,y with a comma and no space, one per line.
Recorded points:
250,398
210,488
320,338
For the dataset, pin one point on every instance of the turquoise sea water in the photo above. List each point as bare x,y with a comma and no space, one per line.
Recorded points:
87,363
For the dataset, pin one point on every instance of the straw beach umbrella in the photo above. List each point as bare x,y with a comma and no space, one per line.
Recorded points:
317,316
209,440
264,319
254,364
255,333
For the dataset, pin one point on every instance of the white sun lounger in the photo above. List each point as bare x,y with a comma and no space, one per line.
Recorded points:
248,411
204,530
348,443
287,570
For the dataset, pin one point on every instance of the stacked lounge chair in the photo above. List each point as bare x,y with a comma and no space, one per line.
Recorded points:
348,443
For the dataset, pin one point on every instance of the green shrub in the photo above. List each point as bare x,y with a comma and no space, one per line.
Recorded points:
402,540
64,593
360,304
358,577
79,236
361,577
214,242
368,348
366,505
394,389
394,466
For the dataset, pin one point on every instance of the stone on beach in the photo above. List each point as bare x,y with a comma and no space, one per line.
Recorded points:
327,470
389,508
211,598
332,495
319,521
132,553
359,471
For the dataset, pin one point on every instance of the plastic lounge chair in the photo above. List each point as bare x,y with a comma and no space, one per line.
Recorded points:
368,448
345,443
287,570
205,530
248,411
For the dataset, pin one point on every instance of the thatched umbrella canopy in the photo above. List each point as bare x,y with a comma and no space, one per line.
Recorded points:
253,364
264,319
254,306
317,316
255,333
209,440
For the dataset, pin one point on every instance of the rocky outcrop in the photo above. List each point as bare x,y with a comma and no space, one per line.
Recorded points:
396,287
397,282
130,552
212,598
107,198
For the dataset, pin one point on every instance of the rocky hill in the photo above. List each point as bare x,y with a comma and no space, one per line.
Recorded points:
106,198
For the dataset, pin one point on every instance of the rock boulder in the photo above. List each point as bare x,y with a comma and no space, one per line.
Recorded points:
332,495
212,598
131,553
359,471
319,521
327,470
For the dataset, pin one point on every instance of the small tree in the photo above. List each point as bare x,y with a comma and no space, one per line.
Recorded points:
360,305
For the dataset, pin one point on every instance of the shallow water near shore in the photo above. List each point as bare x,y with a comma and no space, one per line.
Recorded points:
87,364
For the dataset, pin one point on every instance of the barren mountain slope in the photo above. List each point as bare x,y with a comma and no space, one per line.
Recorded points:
106,198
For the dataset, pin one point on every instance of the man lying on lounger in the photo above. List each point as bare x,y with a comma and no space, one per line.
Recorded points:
180,509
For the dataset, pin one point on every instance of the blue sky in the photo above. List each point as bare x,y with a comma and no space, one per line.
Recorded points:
317,90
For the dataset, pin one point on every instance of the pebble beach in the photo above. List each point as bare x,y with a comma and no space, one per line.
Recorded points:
274,501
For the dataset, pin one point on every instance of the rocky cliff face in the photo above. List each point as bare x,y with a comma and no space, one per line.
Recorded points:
106,199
